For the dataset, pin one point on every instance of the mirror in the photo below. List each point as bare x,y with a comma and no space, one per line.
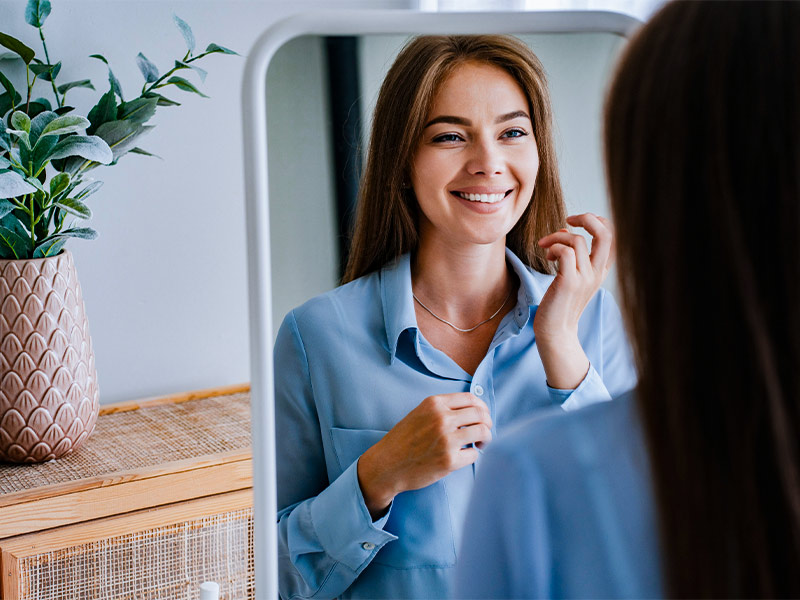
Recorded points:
307,225
291,181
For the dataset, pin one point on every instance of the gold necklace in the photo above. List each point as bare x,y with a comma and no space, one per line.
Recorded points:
446,322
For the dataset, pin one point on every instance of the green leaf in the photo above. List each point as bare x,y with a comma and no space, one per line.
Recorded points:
83,83
24,138
12,244
185,30
15,45
9,56
49,248
7,85
137,111
42,150
5,141
184,85
12,185
162,100
44,102
75,207
221,49
147,68
58,184
104,111
7,103
201,72
6,164
36,108
39,122
85,233
47,72
21,121
121,135
112,79
36,12
90,147
143,152
6,207
66,124
89,190
35,183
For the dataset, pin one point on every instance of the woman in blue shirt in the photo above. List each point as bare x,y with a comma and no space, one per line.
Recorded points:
689,487
448,329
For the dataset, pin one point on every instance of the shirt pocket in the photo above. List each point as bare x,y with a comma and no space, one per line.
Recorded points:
420,519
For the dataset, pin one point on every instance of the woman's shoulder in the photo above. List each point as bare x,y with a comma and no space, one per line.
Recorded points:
588,435
349,297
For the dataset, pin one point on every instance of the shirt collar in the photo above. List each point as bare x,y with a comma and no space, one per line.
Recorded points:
398,303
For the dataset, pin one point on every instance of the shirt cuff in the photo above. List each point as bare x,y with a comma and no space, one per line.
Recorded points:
343,524
590,391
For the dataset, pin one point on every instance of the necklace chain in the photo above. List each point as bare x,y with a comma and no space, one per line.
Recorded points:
446,322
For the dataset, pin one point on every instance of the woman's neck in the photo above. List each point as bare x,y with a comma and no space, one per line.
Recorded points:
462,284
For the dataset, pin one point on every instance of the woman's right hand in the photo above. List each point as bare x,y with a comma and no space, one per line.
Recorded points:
423,447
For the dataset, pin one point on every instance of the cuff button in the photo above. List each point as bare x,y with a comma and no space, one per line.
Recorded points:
368,546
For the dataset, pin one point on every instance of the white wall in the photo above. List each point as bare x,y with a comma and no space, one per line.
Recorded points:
165,283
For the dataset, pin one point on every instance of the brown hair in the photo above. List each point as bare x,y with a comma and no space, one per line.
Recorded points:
702,143
386,218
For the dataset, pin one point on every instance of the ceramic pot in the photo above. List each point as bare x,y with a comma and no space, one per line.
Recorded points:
49,398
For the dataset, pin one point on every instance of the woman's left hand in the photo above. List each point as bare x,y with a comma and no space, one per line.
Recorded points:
580,274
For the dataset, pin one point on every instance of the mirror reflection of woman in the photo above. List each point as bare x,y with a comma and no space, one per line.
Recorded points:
450,325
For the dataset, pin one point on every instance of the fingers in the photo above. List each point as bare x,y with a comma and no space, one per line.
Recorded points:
602,232
575,244
566,257
473,434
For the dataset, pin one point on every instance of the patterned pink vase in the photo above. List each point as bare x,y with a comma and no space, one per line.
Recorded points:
49,398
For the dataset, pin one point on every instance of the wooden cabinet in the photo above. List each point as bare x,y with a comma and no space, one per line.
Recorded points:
156,502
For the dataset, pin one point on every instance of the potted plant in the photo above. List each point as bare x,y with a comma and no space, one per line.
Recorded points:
48,385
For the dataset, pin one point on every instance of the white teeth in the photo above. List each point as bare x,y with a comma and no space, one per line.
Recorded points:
487,198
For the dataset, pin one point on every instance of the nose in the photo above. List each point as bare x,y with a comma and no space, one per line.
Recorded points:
485,159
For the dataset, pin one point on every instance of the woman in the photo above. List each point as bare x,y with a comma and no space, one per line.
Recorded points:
447,328
690,488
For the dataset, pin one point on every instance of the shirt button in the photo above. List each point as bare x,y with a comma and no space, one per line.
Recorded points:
368,545
478,390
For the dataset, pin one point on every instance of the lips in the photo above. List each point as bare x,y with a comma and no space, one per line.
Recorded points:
485,198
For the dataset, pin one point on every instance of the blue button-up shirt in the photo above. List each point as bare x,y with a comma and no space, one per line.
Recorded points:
349,365
576,518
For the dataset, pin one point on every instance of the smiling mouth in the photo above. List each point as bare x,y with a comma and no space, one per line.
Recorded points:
484,198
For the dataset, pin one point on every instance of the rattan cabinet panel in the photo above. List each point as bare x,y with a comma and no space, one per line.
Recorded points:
159,500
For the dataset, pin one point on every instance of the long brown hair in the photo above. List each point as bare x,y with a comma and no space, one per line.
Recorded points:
702,143
386,218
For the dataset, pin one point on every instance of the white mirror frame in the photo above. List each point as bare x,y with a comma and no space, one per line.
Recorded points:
255,108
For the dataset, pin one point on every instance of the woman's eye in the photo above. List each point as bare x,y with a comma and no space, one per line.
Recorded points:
448,137
514,133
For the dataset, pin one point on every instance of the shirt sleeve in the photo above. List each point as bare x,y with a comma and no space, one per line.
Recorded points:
610,374
325,533
505,549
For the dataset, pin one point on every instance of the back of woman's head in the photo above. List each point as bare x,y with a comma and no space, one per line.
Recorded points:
702,144
386,220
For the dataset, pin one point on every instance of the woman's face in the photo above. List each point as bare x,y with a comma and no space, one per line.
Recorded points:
474,170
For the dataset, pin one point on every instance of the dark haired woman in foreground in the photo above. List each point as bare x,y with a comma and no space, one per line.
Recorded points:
448,329
702,140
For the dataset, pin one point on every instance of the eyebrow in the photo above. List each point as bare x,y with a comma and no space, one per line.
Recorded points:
467,123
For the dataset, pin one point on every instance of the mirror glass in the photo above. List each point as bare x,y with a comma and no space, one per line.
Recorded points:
310,75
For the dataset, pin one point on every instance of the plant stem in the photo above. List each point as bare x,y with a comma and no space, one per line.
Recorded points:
59,102
33,225
155,85
29,83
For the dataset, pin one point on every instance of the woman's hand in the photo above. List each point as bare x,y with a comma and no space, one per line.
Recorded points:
422,448
580,275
